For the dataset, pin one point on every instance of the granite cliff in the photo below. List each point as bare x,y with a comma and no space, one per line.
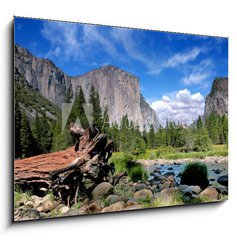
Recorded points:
217,100
118,89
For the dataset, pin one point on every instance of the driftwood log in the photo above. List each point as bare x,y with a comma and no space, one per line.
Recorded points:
70,171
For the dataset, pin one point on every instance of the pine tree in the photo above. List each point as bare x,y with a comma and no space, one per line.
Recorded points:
151,137
212,127
42,133
26,137
94,100
17,130
199,123
225,128
106,125
78,114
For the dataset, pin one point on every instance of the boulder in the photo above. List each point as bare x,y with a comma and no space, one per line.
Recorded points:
118,206
63,210
170,191
113,199
191,191
24,214
134,207
94,207
47,206
144,193
101,190
131,202
166,184
210,192
140,186
223,180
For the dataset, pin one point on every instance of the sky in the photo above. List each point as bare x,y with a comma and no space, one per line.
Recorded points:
175,70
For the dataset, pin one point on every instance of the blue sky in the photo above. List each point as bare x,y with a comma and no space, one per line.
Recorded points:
169,65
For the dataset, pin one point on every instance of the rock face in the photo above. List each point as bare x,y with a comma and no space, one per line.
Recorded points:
217,101
118,90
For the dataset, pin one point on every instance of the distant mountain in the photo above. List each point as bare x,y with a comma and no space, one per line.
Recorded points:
217,100
118,90
31,101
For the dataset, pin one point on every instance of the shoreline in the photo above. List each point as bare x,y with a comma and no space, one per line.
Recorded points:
210,160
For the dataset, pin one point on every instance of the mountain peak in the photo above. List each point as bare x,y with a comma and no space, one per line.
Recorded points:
217,100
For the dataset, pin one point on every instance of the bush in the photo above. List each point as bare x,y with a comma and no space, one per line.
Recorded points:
195,174
125,163
137,173
202,142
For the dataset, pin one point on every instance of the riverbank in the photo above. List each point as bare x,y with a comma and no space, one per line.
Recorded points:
209,160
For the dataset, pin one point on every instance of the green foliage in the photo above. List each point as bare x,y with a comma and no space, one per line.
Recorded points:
94,100
124,163
17,130
195,174
27,142
202,141
123,190
42,133
151,137
77,113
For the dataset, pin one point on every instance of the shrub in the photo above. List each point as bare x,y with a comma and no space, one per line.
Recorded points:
202,142
195,174
137,173
125,163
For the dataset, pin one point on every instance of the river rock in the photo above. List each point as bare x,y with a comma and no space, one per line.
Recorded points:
170,191
47,206
210,193
166,184
63,210
132,201
191,191
23,214
101,190
222,190
113,199
223,180
94,207
144,193
217,171
134,207
139,186
118,206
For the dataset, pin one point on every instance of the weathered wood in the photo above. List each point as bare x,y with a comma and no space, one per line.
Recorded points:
65,171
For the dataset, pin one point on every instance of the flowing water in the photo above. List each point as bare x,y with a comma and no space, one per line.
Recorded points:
215,170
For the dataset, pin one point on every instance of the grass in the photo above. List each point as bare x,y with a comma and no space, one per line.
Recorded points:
171,153
123,190
124,162
20,196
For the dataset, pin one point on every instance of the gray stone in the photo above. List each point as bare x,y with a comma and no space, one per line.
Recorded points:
118,206
24,214
223,180
191,191
101,190
113,199
210,193
144,193
63,210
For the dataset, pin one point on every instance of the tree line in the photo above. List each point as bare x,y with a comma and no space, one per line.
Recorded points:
42,136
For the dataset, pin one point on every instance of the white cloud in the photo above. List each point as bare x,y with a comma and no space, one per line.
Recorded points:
195,75
184,108
176,60
182,58
63,39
